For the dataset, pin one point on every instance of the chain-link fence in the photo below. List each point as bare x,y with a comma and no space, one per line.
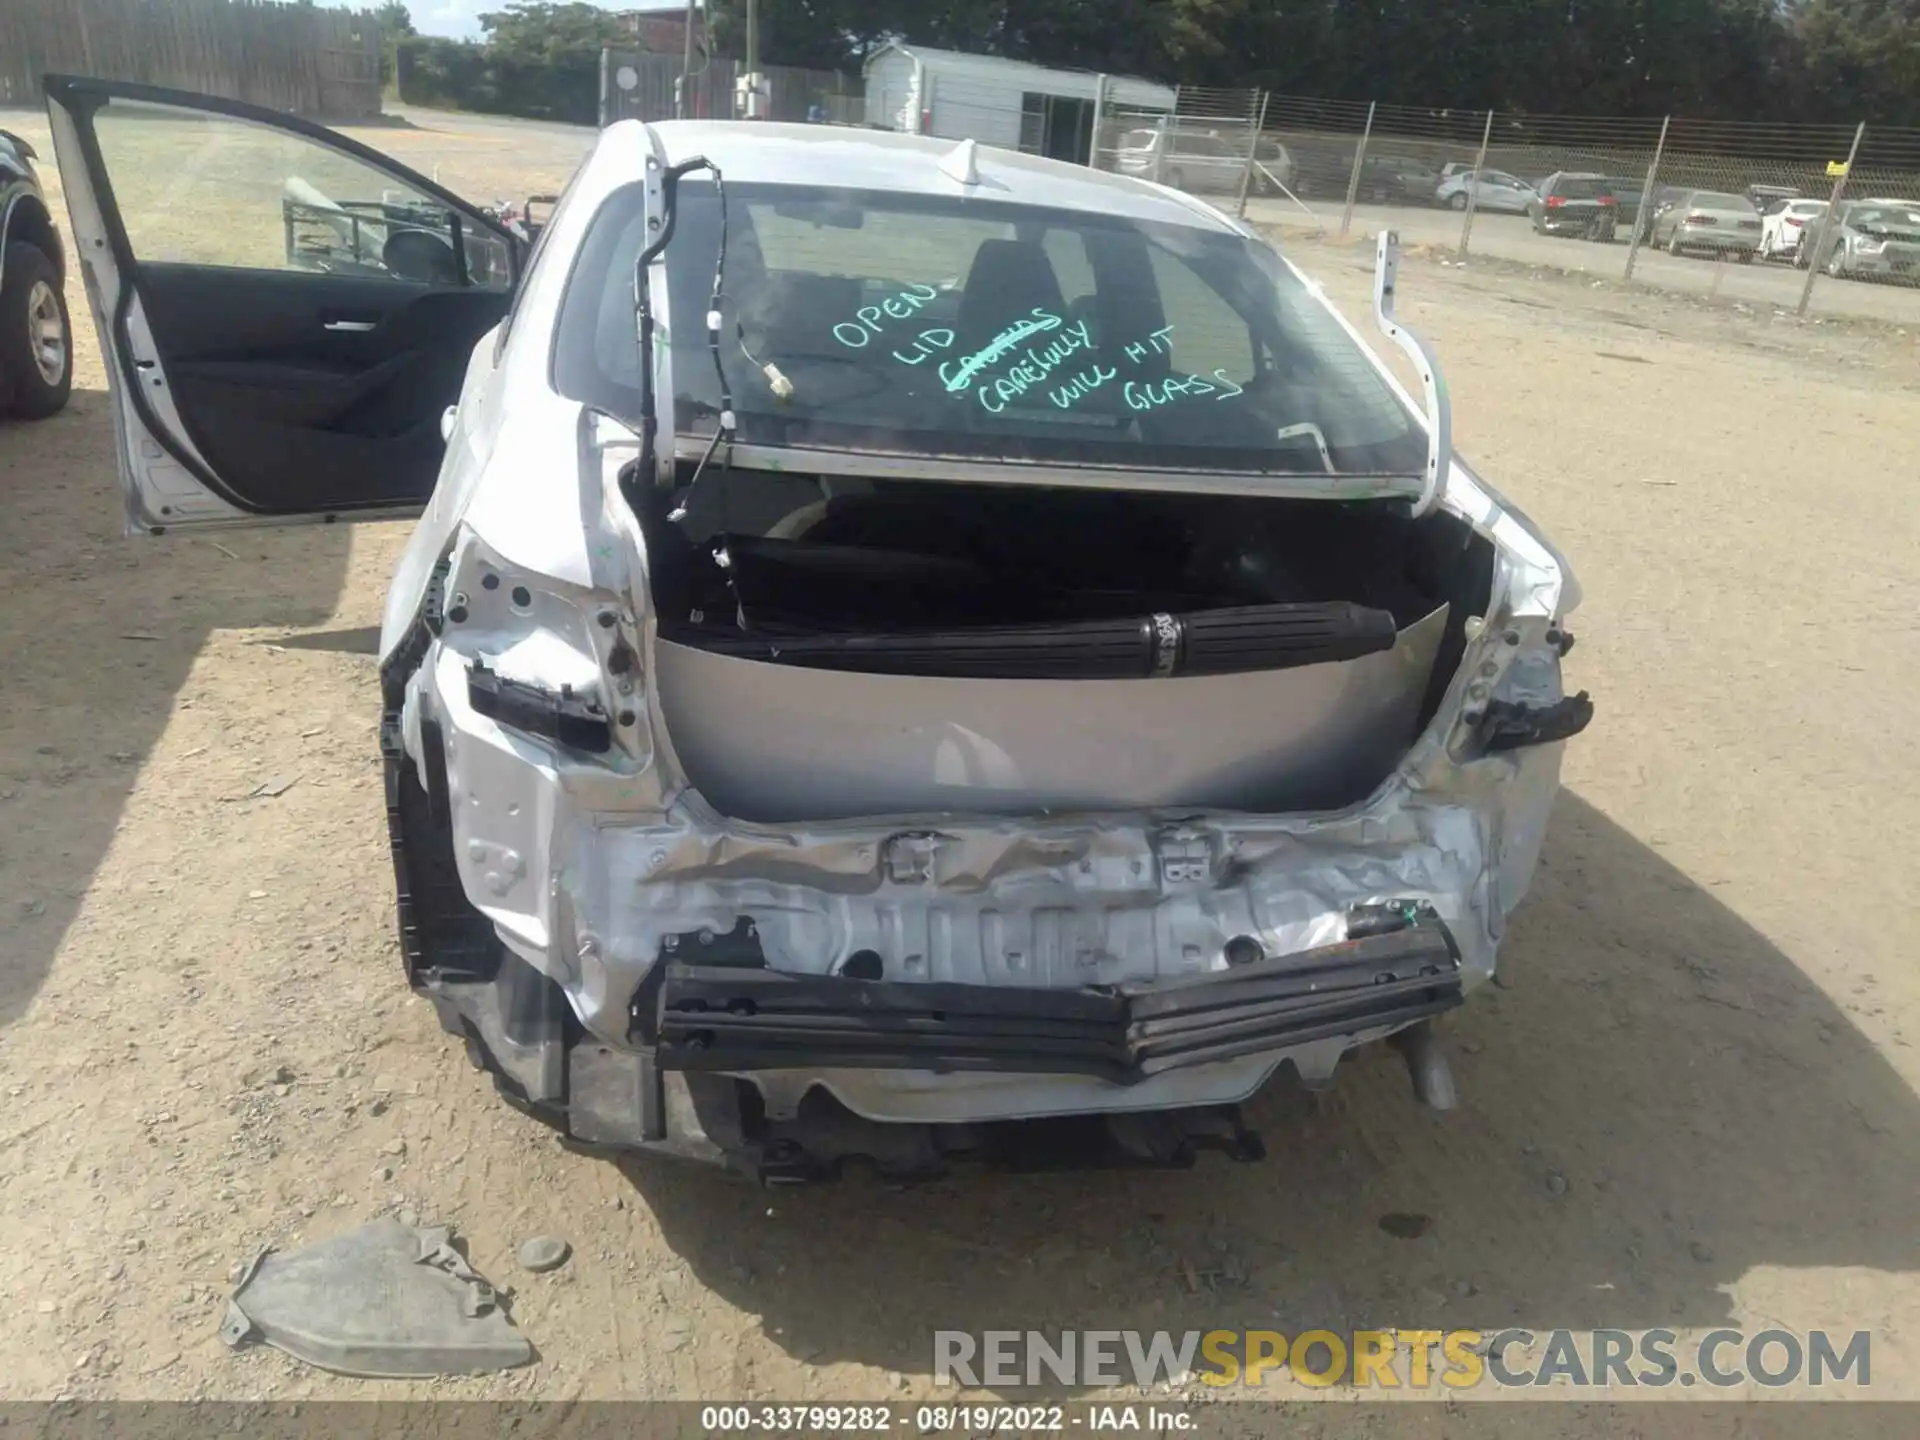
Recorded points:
638,86
1209,144
1767,215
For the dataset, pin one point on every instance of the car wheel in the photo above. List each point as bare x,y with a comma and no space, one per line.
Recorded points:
1837,264
1457,200
1673,243
36,335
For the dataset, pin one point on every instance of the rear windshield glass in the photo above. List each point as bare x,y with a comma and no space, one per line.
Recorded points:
1715,201
1581,188
978,329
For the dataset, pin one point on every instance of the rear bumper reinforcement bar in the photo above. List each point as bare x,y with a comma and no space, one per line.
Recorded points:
735,1017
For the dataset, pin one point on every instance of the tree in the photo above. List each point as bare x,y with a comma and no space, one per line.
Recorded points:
1859,58
394,20
536,32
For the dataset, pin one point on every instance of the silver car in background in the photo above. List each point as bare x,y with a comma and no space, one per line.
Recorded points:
1711,221
1871,240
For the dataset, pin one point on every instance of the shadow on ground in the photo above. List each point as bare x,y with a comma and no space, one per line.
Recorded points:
1657,1105
101,633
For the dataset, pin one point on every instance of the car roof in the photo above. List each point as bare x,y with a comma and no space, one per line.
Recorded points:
833,156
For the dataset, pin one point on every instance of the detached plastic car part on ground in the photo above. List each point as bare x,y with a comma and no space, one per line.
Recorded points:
963,640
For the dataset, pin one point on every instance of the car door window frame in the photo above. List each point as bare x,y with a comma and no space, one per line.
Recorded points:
82,98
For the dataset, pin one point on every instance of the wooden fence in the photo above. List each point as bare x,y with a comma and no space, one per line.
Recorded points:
312,61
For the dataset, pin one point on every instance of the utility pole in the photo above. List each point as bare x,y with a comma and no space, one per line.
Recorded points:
685,107
750,90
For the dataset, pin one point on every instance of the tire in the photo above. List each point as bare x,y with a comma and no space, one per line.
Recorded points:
1673,243
1457,200
1837,263
36,335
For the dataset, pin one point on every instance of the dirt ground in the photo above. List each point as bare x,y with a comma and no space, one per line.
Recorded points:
1694,1104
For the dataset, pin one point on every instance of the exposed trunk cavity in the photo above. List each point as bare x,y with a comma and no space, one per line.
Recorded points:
834,647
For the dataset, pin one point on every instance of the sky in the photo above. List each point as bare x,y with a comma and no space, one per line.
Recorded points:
461,18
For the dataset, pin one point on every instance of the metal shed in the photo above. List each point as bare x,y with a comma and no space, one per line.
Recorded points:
1008,103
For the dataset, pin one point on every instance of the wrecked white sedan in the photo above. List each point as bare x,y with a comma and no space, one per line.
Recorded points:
903,639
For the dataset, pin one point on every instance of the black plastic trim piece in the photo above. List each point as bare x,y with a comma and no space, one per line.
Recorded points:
574,723
734,1019
1511,725
1209,642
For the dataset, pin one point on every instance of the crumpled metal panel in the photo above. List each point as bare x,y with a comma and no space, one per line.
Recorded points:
771,742
621,852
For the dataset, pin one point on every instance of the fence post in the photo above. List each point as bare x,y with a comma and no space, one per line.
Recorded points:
1099,119
684,108
1643,217
1359,161
1473,185
1826,221
1253,153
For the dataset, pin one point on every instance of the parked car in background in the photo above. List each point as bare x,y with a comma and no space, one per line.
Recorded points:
1627,196
1209,161
1663,197
1787,227
1574,203
1764,197
36,338
1871,240
1390,178
1086,729
1273,169
1710,221
1491,190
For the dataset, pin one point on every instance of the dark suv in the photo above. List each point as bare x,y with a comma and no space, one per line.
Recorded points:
36,338
1575,203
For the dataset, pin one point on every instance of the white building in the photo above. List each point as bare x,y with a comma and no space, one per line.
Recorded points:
1008,103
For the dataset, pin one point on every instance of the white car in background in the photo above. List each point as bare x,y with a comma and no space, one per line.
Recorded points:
900,637
1786,225
1494,190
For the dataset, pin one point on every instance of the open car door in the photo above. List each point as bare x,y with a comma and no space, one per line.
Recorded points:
285,313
